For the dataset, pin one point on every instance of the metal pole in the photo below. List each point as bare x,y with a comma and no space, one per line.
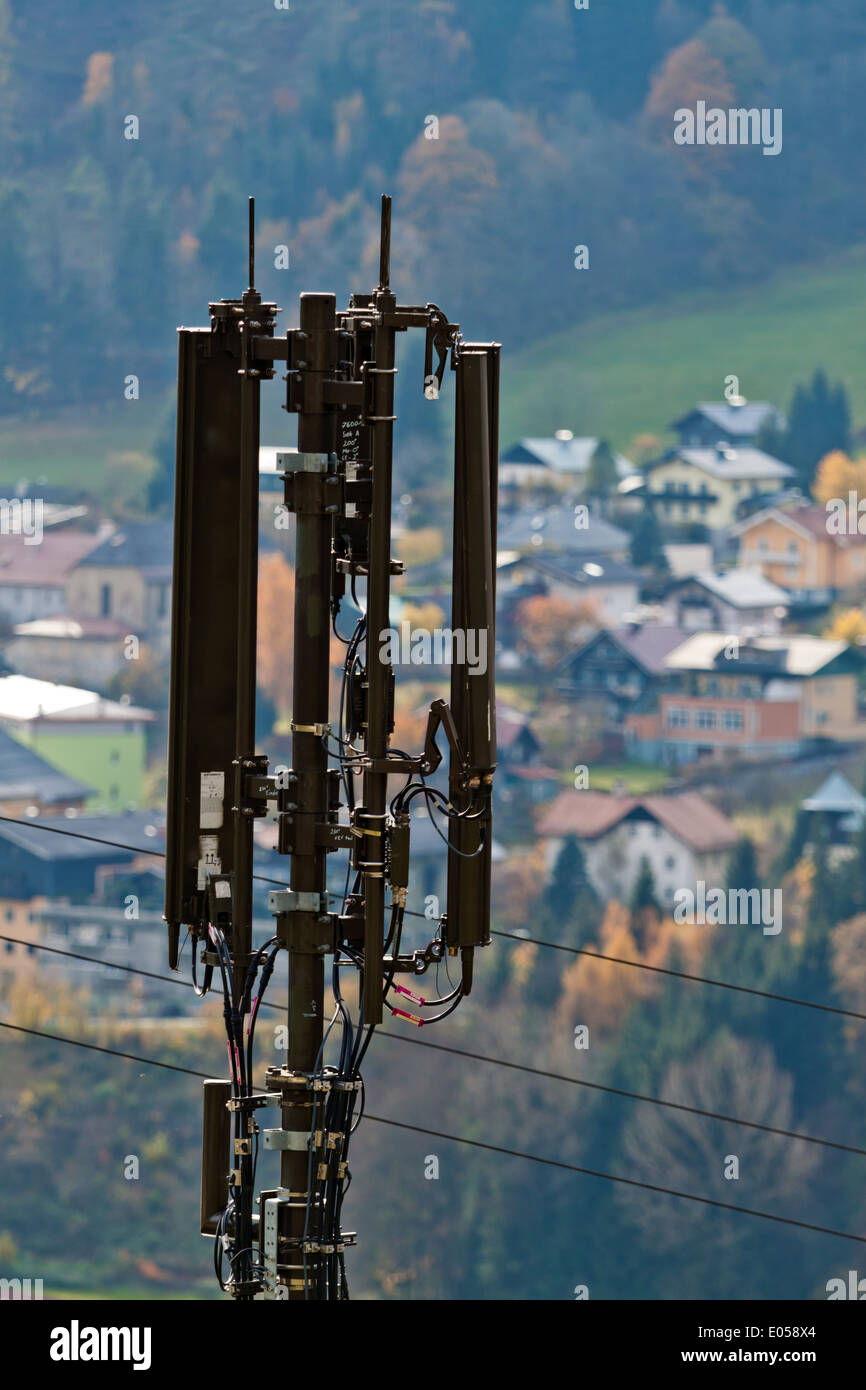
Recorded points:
316,439
379,672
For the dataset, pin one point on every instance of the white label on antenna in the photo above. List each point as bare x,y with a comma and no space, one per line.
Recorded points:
223,888
211,795
209,858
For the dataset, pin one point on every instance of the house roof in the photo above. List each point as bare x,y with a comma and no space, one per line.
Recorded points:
730,464
531,529
836,794
572,455
646,646
803,517
649,645
138,830
46,564
584,572
23,698
687,815
67,625
801,653
734,421
143,545
24,775
741,588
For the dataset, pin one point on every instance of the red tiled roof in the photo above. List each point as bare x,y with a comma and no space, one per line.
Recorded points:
47,563
687,815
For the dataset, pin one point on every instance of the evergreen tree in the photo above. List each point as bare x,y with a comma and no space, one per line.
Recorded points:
646,543
602,475
643,894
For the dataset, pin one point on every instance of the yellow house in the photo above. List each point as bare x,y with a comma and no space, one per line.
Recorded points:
128,578
792,547
708,485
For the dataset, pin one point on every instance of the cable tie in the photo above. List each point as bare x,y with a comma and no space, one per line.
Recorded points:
416,998
401,1013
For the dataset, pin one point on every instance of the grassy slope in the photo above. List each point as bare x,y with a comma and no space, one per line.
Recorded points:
72,447
618,376
627,374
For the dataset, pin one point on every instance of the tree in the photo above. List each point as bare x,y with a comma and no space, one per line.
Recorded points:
602,474
689,74
743,865
819,421
546,624
647,549
273,644
837,475
643,894
678,1144
848,625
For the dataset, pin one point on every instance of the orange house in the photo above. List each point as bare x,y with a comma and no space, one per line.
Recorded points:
792,547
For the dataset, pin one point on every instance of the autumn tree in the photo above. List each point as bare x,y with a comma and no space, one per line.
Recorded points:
274,637
689,74
848,625
547,625
837,475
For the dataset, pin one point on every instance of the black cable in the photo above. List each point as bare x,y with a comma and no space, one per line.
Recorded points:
477,1056
477,1144
613,1177
511,936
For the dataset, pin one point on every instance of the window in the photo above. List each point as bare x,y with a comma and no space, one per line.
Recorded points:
114,755
670,862
705,719
732,720
114,793
105,601
678,718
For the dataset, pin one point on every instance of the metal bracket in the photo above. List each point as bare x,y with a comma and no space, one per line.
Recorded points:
318,729
293,1139
282,900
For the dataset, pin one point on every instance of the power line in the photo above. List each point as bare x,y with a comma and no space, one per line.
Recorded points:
113,844
628,1095
480,1057
508,936
613,1177
682,975
478,1144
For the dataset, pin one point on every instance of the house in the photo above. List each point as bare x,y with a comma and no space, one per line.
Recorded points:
791,546
682,835
127,577
520,765
69,649
559,462
34,576
605,590
29,785
88,737
751,699
624,667
838,806
736,421
562,529
736,600
712,485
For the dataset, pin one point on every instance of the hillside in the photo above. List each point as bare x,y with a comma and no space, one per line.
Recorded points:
630,373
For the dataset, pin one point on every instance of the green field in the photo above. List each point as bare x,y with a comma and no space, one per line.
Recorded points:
632,373
74,447
616,376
